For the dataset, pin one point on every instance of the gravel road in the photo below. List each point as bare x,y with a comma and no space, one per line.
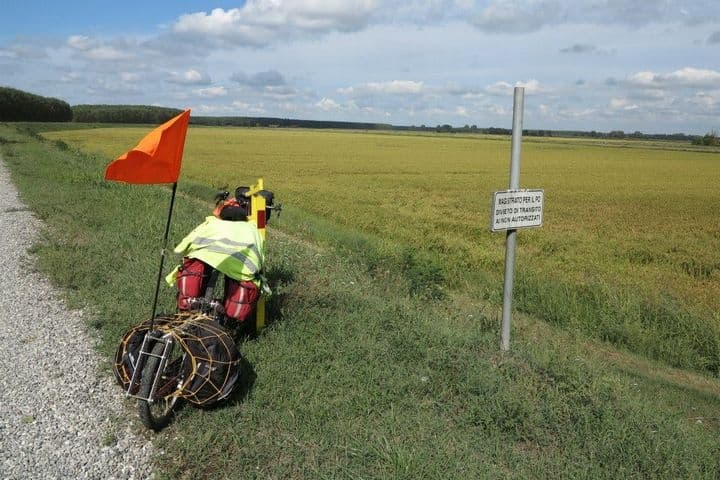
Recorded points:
60,416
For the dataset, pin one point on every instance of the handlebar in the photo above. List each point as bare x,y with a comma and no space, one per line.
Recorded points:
221,196
245,194
276,208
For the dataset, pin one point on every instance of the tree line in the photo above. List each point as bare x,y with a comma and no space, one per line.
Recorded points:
615,134
273,122
18,106
153,115
710,138
123,114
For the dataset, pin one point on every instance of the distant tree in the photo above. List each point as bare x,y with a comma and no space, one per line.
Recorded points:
499,131
711,138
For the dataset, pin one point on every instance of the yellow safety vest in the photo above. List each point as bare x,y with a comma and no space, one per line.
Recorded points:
233,248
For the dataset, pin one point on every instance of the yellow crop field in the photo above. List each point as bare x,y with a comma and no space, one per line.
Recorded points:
638,221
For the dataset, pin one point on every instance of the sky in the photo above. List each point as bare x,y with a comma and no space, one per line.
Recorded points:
634,65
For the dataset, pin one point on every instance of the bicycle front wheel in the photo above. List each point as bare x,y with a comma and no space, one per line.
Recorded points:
157,413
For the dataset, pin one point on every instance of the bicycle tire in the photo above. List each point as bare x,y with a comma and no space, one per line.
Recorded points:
158,413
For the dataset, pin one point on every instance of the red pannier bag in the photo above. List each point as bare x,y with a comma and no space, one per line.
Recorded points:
240,299
191,281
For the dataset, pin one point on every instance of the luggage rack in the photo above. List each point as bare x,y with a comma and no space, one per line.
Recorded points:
150,341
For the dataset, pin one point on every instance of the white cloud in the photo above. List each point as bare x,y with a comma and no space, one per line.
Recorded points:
532,87
524,16
632,12
327,104
93,49
686,77
217,20
111,89
28,52
707,101
106,53
81,42
472,96
212,92
517,16
462,111
240,104
238,107
259,79
129,77
280,91
505,89
190,77
622,104
205,109
642,78
393,87
71,77
260,22
577,113
499,88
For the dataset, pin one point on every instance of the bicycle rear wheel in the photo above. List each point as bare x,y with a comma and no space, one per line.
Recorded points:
158,412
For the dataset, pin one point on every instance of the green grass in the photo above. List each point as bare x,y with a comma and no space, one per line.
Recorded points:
366,371
628,222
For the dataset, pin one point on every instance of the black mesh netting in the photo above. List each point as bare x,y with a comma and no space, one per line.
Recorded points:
207,371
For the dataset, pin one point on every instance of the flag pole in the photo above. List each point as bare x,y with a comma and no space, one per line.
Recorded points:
162,254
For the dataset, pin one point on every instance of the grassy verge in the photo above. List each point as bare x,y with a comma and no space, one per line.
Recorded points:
661,328
366,370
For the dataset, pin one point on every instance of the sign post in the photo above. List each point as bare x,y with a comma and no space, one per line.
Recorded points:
518,106
513,209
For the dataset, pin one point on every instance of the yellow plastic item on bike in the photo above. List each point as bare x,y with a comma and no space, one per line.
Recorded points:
258,216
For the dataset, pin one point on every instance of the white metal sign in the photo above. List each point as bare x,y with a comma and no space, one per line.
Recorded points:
513,209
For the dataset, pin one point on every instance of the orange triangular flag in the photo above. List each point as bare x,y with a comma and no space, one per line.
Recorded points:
157,158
